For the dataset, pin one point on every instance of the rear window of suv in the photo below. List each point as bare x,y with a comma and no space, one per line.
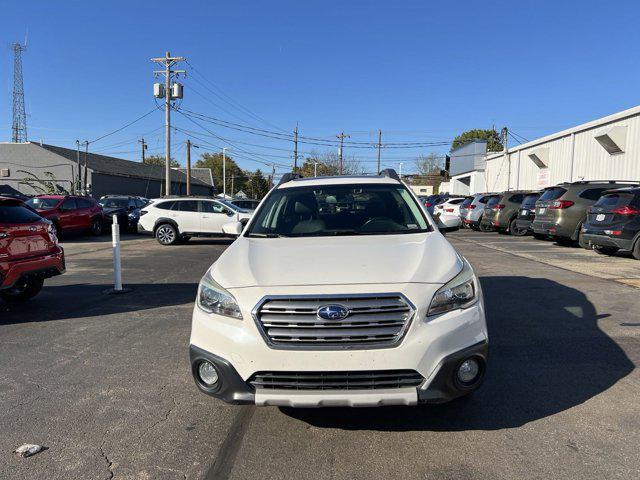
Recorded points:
493,201
552,193
16,213
530,201
592,193
467,201
615,199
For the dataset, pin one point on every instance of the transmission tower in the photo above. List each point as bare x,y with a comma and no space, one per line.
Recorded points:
19,127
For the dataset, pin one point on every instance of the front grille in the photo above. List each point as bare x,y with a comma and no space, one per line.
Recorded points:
356,380
372,321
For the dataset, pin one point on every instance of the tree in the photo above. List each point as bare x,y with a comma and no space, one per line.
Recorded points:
428,164
329,164
256,185
235,176
49,187
159,160
494,144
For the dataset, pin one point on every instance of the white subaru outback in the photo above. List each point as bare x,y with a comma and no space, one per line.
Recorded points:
340,291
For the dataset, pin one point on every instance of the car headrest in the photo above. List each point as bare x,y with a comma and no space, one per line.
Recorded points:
302,209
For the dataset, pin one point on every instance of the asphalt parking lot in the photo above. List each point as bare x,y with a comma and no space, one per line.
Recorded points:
103,381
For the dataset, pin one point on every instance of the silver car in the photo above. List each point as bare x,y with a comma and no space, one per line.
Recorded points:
475,210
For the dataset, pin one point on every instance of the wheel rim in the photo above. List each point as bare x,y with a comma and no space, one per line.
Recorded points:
166,235
96,227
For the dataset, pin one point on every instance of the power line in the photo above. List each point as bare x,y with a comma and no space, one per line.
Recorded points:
230,100
304,139
125,126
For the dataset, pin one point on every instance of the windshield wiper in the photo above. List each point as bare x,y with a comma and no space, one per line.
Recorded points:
266,235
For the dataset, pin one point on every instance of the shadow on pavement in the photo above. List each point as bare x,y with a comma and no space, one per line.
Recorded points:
82,300
546,355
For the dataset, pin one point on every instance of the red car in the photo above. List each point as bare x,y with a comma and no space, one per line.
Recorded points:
29,251
69,212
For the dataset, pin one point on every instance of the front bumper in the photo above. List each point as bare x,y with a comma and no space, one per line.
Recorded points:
441,388
433,348
43,266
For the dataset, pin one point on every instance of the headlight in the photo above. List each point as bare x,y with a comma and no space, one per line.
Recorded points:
461,292
212,298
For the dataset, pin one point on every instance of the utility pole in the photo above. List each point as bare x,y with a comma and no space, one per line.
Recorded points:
400,173
86,154
506,156
232,177
188,167
19,125
144,148
295,148
168,62
379,147
342,136
77,180
273,172
315,169
224,173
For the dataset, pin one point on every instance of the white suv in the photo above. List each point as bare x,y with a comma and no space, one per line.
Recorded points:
339,291
172,220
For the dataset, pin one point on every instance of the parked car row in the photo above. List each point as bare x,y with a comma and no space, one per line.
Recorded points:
600,215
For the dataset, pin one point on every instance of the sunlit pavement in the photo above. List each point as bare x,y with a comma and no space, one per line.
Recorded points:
103,381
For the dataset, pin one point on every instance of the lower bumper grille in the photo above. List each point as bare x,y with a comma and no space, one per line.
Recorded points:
356,380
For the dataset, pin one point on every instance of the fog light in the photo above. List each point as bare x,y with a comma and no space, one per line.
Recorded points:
208,373
468,370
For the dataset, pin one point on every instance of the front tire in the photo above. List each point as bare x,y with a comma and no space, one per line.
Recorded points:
167,234
23,290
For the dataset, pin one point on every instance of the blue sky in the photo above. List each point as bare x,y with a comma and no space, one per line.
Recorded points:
419,70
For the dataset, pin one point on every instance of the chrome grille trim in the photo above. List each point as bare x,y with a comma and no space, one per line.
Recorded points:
351,380
374,321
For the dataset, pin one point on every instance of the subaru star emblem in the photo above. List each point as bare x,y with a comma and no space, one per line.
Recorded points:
333,312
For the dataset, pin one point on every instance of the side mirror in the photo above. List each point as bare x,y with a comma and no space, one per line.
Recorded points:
448,223
233,229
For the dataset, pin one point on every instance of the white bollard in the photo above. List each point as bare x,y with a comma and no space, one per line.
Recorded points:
117,266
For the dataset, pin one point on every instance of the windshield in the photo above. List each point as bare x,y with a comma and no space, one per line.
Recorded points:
332,210
42,203
233,207
114,202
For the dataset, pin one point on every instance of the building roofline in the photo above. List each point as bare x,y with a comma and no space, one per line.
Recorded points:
600,122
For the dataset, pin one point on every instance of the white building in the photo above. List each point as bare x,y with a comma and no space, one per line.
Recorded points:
467,168
604,149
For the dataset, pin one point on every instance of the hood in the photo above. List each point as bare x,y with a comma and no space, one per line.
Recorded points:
268,262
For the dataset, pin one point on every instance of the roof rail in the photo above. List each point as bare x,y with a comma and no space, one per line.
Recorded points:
287,177
613,182
389,172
